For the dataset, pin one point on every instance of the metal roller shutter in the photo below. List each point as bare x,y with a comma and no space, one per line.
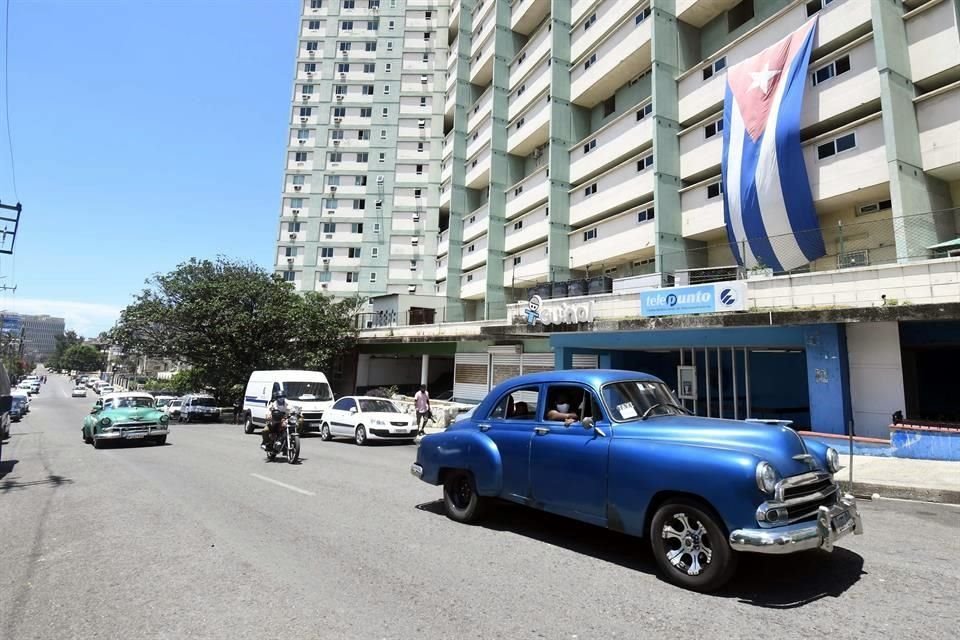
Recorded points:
471,376
585,360
504,367
537,362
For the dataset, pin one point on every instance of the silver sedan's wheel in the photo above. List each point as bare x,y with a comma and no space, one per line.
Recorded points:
325,432
360,436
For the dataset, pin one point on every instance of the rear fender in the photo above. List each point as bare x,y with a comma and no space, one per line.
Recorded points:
460,449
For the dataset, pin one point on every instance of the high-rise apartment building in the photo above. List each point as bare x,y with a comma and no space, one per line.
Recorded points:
360,211
39,332
583,139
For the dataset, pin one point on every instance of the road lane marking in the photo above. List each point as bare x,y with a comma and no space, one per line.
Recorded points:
283,484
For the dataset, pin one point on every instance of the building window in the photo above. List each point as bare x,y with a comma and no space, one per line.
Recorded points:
590,62
356,227
471,221
316,4
370,67
419,147
373,276
714,190
385,112
303,134
518,225
294,227
645,215
589,191
421,124
589,235
370,47
313,46
326,252
353,276
353,252
359,181
375,252
423,101
873,207
471,247
589,22
330,203
363,134
516,260
313,25
383,157
835,68
386,89
837,145
290,252
816,5
307,89
366,112
643,15
426,36
296,203
324,276
367,90
417,193
609,106
340,89
376,228
714,67
373,25
359,204
644,111
645,162
363,157
339,112
390,25
518,191
388,67
383,134
390,46
520,122
333,180
330,227
310,67
300,156
349,4
306,112
298,180
739,15
343,67
713,129
469,277
336,134
426,57
289,276
346,25
344,46
419,169
590,146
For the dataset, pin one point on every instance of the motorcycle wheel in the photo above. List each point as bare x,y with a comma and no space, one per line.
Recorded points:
271,456
293,452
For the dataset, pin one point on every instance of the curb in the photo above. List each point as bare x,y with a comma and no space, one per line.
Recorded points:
923,494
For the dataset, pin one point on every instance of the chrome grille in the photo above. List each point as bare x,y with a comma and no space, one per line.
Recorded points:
803,495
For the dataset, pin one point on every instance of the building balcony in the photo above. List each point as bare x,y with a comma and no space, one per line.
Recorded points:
308,76
530,129
450,81
478,168
448,146
413,41
295,190
408,151
303,165
617,140
445,193
481,63
699,97
410,106
443,242
470,259
452,56
480,110
446,170
414,62
608,14
416,85
528,193
525,15
698,153
932,39
409,176
410,128
473,285
529,89
482,15
404,223
478,138
533,228
442,268
475,223
618,188
420,23
454,21
403,247
616,240
940,132
450,104
339,286
700,12
406,199
310,12
620,56
305,55
532,267
285,262
314,34
532,54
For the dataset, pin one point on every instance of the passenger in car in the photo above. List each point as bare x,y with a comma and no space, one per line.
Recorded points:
561,411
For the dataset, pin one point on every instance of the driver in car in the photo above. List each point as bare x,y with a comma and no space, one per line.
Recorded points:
561,411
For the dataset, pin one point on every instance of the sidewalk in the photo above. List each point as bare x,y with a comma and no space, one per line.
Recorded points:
927,480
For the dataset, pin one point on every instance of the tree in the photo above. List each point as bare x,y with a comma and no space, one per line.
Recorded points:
226,319
64,342
81,357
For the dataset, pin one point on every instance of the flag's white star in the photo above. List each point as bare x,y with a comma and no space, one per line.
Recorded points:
761,79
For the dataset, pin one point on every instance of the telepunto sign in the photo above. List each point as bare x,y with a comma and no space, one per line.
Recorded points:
707,298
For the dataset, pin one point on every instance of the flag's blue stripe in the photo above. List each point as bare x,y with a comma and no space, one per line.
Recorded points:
724,160
793,171
750,205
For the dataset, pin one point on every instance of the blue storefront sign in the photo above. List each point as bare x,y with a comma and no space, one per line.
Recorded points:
705,298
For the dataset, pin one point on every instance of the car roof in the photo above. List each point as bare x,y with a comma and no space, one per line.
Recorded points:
364,398
592,377
127,394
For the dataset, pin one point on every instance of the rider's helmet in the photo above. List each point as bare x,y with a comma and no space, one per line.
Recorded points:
280,395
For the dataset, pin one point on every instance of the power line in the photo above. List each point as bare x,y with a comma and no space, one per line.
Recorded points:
6,94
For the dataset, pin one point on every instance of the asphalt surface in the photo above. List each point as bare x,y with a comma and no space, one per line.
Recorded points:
202,538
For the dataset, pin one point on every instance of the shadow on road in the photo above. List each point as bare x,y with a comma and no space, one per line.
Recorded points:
6,466
51,481
777,582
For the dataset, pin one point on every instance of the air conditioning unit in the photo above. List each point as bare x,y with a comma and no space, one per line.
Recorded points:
414,241
333,188
411,288
343,76
339,97
336,143
413,267
311,53
323,285
416,217
379,179
301,141
297,187
326,261
344,53
289,260
309,74
305,97
293,236
328,236
299,164
331,212
295,212
337,120
303,118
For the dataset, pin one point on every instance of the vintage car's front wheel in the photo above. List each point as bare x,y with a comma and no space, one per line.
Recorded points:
690,546
461,501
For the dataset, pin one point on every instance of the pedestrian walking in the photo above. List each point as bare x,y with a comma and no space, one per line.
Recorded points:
421,402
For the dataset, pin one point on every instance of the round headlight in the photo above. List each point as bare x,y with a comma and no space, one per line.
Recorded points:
833,460
164,419
105,422
766,477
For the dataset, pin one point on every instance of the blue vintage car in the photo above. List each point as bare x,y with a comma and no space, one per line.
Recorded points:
616,449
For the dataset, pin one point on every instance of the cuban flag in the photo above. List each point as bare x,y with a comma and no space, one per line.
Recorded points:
767,204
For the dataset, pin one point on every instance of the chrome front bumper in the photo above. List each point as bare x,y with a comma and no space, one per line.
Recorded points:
832,523
131,435
416,470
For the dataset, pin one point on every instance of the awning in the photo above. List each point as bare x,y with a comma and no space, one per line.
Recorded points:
949,244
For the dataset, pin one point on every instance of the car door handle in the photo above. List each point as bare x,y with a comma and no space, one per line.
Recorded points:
484,427
541,431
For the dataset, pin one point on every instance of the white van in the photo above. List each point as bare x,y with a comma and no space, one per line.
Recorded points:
309,391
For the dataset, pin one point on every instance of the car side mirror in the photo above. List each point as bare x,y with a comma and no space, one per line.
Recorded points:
588,423
353,409
95,409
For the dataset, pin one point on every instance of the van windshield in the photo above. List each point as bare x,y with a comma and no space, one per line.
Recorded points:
319,391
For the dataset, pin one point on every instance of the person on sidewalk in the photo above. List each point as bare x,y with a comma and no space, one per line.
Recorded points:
421,402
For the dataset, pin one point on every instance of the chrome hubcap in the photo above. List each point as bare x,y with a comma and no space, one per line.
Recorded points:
688,546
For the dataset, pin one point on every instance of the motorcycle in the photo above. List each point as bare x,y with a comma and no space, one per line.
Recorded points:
287,442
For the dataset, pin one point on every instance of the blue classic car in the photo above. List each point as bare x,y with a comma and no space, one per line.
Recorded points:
616,449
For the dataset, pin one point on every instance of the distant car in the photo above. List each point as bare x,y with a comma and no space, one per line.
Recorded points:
365,418
163,401
78,392
18,408
172,408
26,387
21,396
125,416
35,387
199,408
104,389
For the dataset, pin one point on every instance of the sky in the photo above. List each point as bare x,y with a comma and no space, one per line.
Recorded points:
145,132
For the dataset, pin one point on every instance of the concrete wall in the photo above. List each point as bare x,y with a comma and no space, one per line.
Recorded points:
876,376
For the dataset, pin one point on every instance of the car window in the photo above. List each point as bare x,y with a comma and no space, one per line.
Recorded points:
343,404
377,405
564,399
517,404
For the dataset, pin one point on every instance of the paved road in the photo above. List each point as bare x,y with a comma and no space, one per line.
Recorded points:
202,538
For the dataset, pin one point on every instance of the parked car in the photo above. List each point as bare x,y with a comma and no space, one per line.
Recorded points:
365,418
35,387
18,408
26,387
79,392
172,408
199,408
125,416
308,391
163,401
624,454
105,389
21,396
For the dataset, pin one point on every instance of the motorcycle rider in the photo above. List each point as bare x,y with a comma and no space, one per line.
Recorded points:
277,410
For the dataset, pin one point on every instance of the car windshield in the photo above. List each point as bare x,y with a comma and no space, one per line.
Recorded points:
132,403
640,398
176,403
162,403
203,402
307,391
377,406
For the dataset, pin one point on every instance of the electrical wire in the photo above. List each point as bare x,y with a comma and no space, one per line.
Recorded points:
6,94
